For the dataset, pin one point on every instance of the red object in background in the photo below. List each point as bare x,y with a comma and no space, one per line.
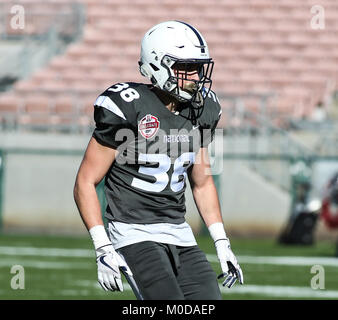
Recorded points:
330,204
329,215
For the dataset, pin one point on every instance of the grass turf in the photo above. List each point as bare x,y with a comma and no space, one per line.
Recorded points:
67,277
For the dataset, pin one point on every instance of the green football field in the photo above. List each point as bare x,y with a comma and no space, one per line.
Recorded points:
49,267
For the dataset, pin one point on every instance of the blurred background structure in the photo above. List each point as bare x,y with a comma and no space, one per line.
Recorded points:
276,72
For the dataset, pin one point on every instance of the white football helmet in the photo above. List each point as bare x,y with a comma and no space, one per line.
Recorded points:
173,44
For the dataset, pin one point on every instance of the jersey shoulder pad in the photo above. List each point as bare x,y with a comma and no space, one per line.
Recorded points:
212,110
213,101
119,100
114,111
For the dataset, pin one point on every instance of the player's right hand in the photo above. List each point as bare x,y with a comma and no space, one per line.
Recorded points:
108,262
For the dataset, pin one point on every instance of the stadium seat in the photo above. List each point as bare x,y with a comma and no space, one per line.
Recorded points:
10,103
257,47
37,104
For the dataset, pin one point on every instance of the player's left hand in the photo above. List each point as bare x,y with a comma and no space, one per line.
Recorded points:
230,267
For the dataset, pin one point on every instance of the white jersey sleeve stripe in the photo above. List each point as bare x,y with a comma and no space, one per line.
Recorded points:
106,102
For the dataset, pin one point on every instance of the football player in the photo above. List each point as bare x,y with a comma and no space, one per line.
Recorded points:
148,139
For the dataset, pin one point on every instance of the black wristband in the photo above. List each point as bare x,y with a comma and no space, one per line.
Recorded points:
221,239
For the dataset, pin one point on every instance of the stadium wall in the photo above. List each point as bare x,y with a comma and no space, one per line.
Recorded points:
39,171
39,174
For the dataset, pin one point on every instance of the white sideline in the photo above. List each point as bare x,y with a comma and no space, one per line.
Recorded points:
86,253
281,291
17,255
52,265
283,260
263,290
47,252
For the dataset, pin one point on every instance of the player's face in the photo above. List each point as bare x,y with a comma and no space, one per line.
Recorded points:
188,74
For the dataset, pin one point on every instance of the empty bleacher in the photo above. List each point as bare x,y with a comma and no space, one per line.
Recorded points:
262,48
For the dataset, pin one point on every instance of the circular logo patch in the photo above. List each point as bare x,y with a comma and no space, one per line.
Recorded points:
148,126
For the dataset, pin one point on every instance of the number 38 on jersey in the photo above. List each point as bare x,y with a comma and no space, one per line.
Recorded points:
160,173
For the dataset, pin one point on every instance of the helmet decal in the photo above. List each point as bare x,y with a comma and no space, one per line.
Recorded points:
197,34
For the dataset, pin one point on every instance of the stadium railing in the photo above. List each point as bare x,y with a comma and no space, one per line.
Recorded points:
269,150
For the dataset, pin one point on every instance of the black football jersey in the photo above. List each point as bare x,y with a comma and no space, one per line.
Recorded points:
156,147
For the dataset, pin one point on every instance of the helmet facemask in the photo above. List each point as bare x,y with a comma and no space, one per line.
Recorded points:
180,84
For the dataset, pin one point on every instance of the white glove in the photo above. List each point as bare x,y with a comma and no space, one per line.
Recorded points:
231,270
230,267
108,260
108,264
